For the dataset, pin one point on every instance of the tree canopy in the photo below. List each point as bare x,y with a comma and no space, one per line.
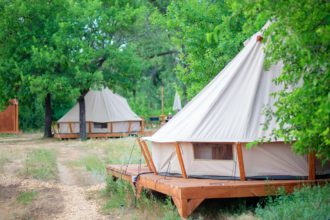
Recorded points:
60,49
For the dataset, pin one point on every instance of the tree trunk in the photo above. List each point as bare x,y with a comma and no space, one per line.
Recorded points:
82,116
48,116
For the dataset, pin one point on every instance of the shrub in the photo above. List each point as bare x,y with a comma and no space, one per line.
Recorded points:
305,203
120,194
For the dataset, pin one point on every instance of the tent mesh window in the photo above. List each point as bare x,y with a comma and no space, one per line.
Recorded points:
100,125
213,151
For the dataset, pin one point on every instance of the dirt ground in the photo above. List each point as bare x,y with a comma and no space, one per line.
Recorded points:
75,191
65,197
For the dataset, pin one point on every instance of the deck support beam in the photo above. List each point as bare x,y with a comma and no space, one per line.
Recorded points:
186,206
179,154
311,166
240,161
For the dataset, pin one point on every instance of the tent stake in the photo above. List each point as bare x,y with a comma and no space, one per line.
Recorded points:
178,152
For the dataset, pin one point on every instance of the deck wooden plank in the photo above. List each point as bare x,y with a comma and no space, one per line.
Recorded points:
189,193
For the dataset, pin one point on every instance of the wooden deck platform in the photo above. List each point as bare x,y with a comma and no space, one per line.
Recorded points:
101,135
188,194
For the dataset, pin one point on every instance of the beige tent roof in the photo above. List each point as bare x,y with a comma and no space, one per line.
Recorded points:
102,106
231,107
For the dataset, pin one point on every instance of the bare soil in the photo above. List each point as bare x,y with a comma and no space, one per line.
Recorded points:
66,197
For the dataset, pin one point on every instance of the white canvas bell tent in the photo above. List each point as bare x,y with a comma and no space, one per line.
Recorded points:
208,137
177,102
106,113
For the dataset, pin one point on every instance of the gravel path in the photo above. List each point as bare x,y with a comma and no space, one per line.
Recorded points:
74,197
72,187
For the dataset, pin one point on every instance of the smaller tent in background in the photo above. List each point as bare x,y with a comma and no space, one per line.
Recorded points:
177,102
107,115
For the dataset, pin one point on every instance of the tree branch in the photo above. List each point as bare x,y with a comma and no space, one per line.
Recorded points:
163,53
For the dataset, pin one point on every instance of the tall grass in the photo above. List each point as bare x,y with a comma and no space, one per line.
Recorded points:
118,151
305,203
41,164
120,194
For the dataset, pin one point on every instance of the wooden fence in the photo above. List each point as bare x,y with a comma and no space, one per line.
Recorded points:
9,118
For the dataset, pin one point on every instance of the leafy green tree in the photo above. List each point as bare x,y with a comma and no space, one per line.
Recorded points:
60,49
30,60
298,36
206,35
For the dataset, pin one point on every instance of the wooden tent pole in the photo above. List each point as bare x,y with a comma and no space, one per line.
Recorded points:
90,127
240,161
70,127
142,126
149,156
110,126
144,154
179,154
162,100
129,126
162,117
311,166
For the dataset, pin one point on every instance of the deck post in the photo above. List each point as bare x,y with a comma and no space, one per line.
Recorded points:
139,189
240,161
311,166
144,154
179,154
186,206
144,144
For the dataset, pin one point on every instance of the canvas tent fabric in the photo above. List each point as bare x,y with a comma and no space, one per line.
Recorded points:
102,107
229,110
177,102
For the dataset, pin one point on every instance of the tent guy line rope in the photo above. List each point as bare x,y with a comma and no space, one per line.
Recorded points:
130,157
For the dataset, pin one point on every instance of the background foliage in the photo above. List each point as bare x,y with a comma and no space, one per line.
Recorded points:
135,47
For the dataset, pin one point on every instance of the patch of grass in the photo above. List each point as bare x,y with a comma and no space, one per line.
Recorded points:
91,163
117,151
41,164
305,203
8,135
26,197
119,195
